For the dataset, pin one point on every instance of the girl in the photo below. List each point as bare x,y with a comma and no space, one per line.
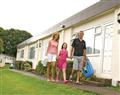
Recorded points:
52,51
62,63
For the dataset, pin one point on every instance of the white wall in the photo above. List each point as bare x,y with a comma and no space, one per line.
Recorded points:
67,39
96,59
116,51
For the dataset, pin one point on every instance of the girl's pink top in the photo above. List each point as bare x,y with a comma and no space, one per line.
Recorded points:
62,59
52,49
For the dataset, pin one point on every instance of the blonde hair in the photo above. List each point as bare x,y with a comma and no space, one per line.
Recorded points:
53,36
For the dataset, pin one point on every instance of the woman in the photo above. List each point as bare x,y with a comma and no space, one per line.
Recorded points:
52,52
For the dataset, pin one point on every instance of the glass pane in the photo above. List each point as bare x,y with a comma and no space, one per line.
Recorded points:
98,40
98,44
22,54
98,30
89,38
32,53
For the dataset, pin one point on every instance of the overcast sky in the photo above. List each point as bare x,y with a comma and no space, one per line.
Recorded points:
36,16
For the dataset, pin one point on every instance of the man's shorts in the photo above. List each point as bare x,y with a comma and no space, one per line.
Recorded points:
77,63
52,57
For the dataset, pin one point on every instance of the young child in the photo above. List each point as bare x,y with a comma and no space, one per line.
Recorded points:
62,62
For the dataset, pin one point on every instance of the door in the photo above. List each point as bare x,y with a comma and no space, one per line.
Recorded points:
107,51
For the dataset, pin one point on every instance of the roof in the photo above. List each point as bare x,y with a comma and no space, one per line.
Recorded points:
83,15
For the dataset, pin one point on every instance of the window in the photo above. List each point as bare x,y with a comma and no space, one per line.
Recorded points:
98,40
73,37
93,39
89,38
32,53
39,44
22,54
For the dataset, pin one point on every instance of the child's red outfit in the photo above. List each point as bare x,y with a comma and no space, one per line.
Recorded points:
62,62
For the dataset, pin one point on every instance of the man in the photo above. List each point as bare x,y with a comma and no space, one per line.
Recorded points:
78,52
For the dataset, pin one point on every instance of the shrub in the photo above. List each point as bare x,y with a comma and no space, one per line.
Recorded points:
69,69
40,69
31,64
18,65
27,66
23,65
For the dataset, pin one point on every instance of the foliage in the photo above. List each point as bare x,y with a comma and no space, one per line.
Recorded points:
69,69
1,46
11,38
23,65
40,69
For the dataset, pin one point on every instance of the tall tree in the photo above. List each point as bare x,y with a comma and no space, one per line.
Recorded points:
1,46
11,38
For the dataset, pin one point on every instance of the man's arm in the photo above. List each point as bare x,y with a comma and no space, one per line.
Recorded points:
84,54
72,52
84,57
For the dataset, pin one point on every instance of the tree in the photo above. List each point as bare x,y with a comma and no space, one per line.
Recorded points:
11,38
1,46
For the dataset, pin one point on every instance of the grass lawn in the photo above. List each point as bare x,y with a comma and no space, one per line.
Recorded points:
12,83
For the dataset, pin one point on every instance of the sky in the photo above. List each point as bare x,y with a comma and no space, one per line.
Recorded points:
36,16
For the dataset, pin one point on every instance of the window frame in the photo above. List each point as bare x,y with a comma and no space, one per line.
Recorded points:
95,34
31,51
22,53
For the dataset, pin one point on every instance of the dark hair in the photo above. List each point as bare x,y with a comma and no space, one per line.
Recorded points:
63,44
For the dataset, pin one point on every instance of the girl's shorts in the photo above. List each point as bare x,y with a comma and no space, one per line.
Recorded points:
52,57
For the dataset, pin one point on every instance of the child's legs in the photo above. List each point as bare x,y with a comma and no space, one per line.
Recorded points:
64,74
48,70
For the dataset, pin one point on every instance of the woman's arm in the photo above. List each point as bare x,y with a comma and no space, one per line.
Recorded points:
48,48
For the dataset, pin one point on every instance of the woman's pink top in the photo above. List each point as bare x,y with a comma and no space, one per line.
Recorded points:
62,63
52,49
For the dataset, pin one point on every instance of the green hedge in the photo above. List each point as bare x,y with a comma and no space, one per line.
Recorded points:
41,70
23,65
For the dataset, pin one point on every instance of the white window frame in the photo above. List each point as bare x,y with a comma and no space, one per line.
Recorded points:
29,55
22,53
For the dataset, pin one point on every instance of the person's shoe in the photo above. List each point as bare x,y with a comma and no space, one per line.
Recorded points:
57,80
77,82
52,80
66,81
